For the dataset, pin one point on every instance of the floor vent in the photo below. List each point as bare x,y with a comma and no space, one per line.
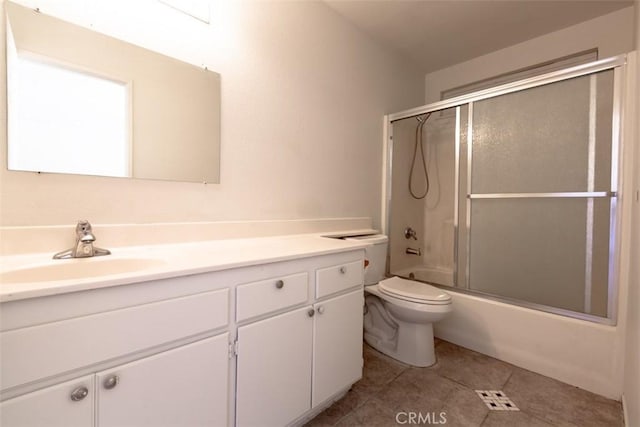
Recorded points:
496,400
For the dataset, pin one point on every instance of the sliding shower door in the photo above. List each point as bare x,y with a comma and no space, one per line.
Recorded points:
526,186
540,194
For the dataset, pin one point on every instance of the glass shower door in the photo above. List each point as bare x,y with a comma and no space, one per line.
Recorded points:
538,186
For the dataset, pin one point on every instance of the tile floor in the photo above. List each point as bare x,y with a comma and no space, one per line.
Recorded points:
391,389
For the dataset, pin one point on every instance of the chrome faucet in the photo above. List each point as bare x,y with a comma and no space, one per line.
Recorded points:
84,244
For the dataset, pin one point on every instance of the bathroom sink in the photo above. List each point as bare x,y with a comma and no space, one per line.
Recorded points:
80,268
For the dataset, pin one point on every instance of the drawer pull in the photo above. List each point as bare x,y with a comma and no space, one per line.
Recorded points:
311,312
280,284
343,270
111,382
321,309
79,393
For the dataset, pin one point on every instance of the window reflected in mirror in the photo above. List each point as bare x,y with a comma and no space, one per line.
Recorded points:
67,121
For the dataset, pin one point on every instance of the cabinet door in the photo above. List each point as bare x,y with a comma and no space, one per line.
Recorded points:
69,404
337,346
186,386
274,369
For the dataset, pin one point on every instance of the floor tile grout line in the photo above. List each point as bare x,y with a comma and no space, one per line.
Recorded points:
484,419
400,373
523,410
455,381
551,423
508,379
371,396
344,416
446,399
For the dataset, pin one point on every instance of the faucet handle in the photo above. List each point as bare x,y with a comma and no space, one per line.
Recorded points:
83,228
410,233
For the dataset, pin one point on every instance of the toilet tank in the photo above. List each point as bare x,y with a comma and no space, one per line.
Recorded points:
375,256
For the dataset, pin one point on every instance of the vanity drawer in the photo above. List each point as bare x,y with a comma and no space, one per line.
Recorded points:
37,352
338,278
258,298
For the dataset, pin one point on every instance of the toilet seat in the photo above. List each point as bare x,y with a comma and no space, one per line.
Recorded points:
411,290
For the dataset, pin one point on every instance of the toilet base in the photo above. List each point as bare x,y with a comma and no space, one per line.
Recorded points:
413,344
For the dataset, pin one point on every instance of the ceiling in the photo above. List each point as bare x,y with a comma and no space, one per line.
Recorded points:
438,33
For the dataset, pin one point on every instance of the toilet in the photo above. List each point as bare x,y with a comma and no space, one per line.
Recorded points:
399,313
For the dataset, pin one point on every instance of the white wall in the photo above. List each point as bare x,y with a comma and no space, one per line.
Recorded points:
585,354
612,34
303,97
632,354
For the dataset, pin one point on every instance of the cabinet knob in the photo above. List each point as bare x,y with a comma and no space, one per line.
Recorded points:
343,270
321,309
111,382
311,312
79,393
280,284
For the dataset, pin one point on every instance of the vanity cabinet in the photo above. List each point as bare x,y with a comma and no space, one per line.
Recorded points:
292,362
337,345
267,344
69,404
158,363
186,386
274,369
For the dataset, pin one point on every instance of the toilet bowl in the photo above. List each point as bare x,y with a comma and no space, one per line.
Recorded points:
399,313
400,324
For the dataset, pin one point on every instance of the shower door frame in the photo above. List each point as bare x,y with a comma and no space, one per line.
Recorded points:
618,65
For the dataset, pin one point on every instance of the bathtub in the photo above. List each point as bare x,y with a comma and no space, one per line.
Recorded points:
580,353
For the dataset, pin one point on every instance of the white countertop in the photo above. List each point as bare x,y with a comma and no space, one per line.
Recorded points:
179,259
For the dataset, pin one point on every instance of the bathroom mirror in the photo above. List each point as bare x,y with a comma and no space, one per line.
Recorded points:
81,102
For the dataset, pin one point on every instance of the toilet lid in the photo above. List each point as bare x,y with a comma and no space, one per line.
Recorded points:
413,290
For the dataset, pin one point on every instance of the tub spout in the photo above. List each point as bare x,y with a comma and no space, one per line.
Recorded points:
412,251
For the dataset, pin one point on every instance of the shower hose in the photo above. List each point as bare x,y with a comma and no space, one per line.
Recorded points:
418,145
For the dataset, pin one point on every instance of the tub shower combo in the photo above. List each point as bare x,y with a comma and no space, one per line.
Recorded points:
511,193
